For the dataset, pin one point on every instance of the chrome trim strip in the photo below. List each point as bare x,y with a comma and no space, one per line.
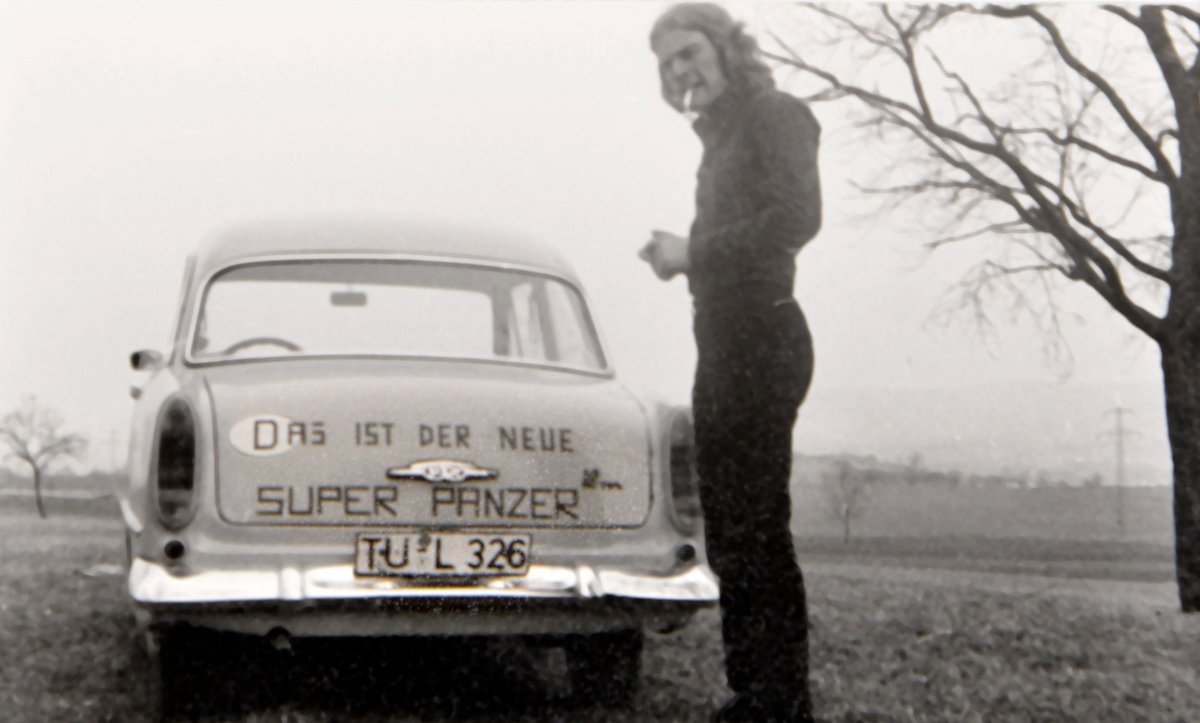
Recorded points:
150,582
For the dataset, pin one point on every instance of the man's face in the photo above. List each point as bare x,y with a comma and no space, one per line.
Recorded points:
688,60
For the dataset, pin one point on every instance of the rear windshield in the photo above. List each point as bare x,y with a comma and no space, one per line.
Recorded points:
293,309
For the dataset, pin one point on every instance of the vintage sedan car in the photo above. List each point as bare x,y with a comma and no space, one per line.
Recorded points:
366,429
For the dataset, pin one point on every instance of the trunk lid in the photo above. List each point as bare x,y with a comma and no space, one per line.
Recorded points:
426,444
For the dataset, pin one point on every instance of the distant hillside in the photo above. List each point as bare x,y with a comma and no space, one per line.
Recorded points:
815,469
99,482
1012,428
935,507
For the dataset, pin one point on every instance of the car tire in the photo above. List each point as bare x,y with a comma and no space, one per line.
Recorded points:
167,649
179,679
149,647
605,668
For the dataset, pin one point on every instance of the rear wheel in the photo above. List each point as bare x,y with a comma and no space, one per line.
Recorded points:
170,672
149,645
194,672
605,667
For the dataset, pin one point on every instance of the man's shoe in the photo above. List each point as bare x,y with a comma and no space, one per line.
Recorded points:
792,711
739,708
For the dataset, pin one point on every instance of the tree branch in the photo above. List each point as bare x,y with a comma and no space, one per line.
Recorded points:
64,446
1118,246
1039,202
1123,14
965,89
919,187
1114,98
909,60
1074,139
1180,83
1029,179
1002,227
1186,12
32,434
876,39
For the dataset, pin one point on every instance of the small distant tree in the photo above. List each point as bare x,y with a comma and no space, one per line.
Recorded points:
34,435
846,493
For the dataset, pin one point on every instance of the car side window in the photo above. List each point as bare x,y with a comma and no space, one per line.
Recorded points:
547,323
574,346
527,340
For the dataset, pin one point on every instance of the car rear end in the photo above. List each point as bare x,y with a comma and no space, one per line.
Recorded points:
472,499
354,439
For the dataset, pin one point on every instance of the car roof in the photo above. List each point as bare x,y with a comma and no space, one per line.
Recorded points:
374,236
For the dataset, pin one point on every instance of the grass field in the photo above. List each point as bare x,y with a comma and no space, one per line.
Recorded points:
933,653
1095,560
929,646
1053,513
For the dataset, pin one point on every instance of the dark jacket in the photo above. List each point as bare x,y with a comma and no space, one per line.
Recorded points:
758,199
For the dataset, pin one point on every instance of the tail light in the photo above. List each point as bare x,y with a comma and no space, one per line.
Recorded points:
175,464
685,492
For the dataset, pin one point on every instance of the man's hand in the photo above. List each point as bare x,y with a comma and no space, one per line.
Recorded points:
667,254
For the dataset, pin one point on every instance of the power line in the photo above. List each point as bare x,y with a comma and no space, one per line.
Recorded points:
1119,432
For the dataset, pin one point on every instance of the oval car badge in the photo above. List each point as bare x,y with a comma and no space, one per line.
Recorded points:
263,435
441,470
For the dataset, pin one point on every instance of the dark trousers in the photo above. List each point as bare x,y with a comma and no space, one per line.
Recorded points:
754,369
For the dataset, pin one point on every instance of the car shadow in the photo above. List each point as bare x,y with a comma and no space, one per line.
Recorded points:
418,678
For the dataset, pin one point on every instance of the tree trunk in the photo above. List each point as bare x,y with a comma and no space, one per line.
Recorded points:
37,490
1181,384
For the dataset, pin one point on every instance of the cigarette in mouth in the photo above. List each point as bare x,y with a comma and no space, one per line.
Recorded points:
687,99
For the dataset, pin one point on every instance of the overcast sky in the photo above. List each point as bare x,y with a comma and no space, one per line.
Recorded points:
131,131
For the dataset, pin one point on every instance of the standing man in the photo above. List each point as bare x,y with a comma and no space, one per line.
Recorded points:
758,201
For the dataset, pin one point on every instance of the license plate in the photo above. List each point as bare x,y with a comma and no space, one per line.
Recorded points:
444,553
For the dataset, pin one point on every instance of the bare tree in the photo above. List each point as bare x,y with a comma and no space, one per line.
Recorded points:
1079,164
33,435
846,493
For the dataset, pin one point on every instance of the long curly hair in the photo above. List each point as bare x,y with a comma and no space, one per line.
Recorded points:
737,49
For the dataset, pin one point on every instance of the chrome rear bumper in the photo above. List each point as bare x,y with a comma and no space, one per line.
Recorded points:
332,601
